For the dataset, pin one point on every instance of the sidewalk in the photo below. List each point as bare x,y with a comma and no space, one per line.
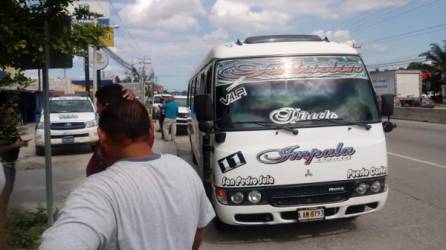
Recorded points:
68,171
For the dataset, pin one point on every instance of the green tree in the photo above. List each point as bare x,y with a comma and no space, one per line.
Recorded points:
437,58
22,35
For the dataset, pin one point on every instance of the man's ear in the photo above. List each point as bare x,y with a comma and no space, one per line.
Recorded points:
151,134
103,138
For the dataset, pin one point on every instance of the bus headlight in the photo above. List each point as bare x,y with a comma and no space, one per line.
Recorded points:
361,189
237,198
254,197
375,187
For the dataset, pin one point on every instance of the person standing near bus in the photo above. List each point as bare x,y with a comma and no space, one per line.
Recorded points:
144,200
170,121
162,116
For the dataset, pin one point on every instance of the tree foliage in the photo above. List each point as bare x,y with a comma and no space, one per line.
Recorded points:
22,38
436,58
437,65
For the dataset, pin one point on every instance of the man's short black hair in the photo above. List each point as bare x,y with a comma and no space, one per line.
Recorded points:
125,120
109,94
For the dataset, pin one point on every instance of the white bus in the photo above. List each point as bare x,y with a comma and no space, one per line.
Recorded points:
288,129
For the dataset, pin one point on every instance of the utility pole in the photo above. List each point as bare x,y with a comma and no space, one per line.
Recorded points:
46,124
143,61
97,77
87,73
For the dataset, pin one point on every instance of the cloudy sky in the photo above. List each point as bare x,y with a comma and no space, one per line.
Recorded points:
176,34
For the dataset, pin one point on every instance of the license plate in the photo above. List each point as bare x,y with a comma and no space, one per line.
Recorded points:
68,139
310,214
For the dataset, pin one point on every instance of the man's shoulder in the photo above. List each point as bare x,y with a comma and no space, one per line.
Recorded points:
177,164
172,160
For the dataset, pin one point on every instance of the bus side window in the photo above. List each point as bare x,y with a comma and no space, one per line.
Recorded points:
193,85
208,89
199,85
188,93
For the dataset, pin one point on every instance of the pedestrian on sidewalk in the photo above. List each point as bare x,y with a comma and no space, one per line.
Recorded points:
143,201
10,144
9,155
105,96
162,116
170,122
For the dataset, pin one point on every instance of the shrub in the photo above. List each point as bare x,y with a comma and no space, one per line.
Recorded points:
25,228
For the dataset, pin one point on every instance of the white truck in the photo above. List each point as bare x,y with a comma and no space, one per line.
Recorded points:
405,85
183,117
287,129
73,121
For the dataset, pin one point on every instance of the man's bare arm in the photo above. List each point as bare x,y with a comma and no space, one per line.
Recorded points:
199,235
17,144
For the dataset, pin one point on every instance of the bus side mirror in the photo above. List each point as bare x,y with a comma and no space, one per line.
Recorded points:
387,105
203,108
388,126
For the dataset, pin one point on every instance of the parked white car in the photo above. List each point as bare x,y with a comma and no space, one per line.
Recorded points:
73,121
183,117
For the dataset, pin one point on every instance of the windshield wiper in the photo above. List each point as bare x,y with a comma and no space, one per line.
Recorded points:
294,131
347,122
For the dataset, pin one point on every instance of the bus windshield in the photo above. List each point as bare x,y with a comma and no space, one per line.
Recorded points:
294,92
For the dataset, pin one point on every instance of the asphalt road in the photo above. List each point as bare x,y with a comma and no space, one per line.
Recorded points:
414,216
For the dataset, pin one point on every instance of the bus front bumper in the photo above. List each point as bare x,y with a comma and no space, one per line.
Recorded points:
268,214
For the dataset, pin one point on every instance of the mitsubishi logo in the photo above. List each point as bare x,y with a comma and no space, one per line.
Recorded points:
308,173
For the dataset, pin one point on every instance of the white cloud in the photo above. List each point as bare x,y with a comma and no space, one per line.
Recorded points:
249,16
374,47
241,16
218,35
343,36
339,36
349,7
170,15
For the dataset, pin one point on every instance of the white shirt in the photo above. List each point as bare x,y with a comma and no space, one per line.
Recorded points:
149,203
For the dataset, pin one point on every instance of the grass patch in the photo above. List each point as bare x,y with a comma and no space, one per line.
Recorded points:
24,228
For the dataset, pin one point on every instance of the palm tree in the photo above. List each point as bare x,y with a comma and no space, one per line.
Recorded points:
437,57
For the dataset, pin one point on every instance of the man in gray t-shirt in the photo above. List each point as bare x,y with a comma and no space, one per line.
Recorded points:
143,201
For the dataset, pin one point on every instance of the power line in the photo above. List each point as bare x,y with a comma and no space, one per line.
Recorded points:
125,38
138,48
121,61
396,63
363,20
432,28
394,16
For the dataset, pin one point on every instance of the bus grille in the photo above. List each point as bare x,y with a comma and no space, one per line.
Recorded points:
311,194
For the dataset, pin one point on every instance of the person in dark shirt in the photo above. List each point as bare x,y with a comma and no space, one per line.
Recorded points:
105,96
162,116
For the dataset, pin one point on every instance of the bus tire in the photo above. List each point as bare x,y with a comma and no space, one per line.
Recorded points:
221,226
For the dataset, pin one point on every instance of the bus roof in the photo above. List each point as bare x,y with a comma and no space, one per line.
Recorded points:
265,49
